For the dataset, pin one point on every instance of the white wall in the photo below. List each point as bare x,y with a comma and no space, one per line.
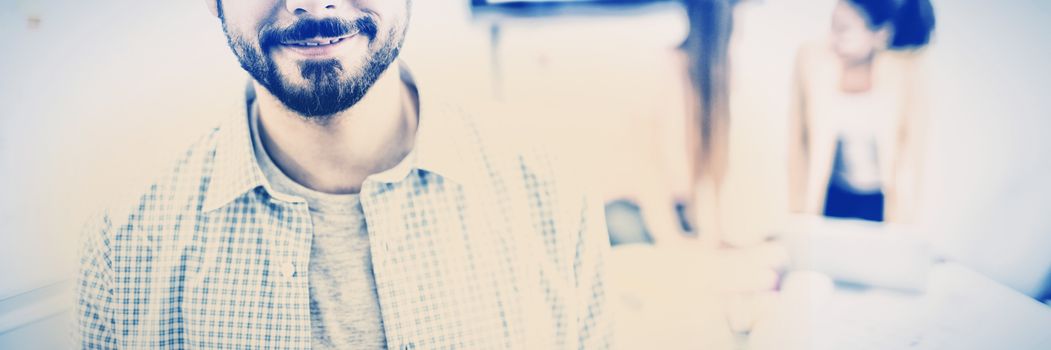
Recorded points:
991,154
99,95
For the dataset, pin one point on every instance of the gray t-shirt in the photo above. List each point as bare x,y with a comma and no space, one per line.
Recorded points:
344,305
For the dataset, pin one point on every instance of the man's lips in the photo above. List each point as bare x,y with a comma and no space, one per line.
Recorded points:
320,47
318,41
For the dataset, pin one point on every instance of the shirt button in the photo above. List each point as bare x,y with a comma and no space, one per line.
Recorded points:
289,269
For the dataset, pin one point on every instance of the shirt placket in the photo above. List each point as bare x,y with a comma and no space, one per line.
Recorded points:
373,192
294,267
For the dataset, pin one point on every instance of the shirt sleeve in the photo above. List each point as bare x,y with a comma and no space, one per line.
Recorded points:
595,317
95,321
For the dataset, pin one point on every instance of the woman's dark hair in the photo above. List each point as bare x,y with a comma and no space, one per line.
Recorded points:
707,48
912,21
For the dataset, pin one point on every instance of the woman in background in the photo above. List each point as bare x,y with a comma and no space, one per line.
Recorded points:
705,55
699,141
858,120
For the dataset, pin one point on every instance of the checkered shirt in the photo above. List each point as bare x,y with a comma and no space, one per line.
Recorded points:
475,244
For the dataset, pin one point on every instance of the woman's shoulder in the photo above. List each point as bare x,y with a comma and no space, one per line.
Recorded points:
908,61
906,67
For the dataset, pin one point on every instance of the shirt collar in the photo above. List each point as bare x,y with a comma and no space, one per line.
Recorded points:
440,140
441,137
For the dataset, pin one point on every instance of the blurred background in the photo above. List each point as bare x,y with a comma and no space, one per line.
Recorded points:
680,114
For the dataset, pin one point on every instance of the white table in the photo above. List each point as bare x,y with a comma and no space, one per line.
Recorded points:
669,299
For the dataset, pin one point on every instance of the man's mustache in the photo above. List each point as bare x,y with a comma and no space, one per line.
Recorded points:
309,28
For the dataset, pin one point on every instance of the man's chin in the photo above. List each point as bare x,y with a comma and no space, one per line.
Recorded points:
297,69
319,100
321,88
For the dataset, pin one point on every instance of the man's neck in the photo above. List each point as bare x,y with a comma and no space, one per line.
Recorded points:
336,155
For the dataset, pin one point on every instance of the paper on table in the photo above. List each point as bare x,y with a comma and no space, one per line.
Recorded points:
962,310
863,253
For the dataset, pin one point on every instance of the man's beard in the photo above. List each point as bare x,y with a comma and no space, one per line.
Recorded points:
330,87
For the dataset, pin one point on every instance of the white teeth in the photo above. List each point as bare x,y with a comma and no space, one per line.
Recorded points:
309,43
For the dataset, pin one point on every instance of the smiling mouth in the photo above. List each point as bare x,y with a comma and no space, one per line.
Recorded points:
315,42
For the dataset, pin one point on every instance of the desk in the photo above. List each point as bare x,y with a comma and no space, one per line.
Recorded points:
960,309
666,303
